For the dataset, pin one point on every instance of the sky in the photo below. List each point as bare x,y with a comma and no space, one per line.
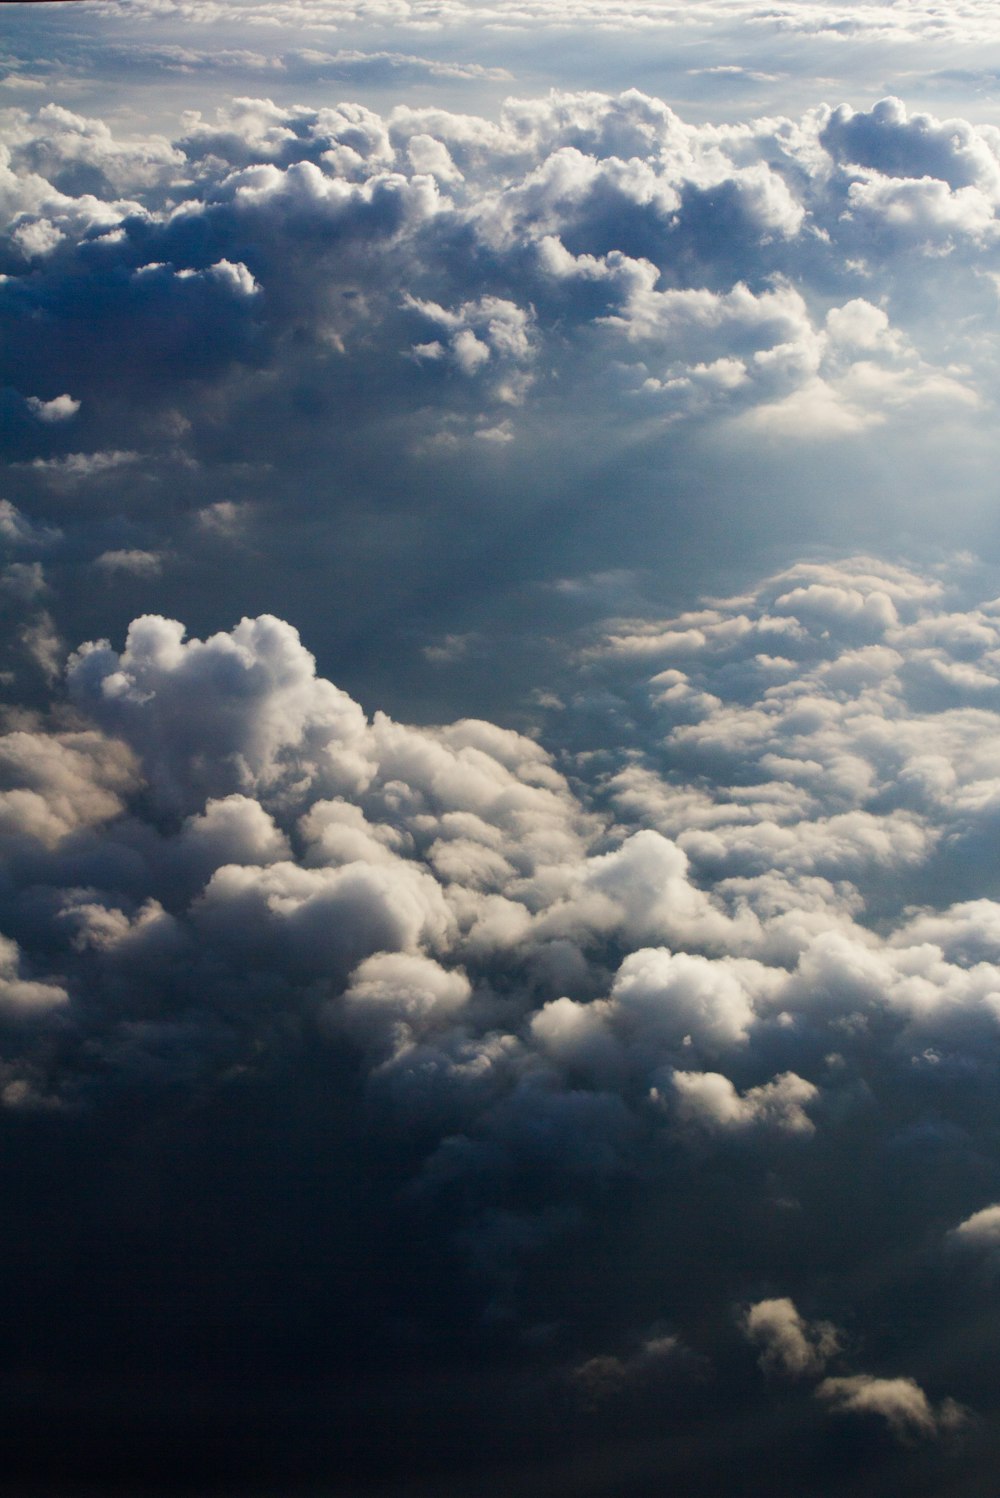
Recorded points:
499,749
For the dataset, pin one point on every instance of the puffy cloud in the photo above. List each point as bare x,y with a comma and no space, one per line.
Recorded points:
319,922
980,1231
475,1037
899,1401
541,1009
395,997
250,695
59,408
20,997
479,334
896,144
824,744
56,783
686,994
78,155
234,830
712,269
711,1100
318,839
788,1343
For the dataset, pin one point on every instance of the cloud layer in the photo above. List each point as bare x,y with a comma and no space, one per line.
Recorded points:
505,996
253,364
567,1001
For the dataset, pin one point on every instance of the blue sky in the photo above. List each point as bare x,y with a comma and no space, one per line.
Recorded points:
499,916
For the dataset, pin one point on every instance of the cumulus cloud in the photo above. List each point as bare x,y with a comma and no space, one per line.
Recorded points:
258,685
649,956
709,1099
378,1041
56,783
396,996
59,408
788,1343
900,1402
980,1231
716,270
733,945
20,997
660,960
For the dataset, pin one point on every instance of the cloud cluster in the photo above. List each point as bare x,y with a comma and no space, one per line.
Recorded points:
791,1347
739,952
717,267
711,956
266,353
847,777
560,1043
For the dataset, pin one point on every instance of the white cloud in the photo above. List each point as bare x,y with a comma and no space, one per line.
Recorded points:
711,1101
394,997
734,905
60,408
980,1231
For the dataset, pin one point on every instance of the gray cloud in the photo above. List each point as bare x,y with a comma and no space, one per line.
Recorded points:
788,1343
899,1401
981,1230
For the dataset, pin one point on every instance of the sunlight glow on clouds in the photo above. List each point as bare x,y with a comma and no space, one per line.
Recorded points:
499,785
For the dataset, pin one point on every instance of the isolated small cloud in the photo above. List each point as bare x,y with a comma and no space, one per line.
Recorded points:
900,1402
133,561
788,1343
79,466
980,1231
60,408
